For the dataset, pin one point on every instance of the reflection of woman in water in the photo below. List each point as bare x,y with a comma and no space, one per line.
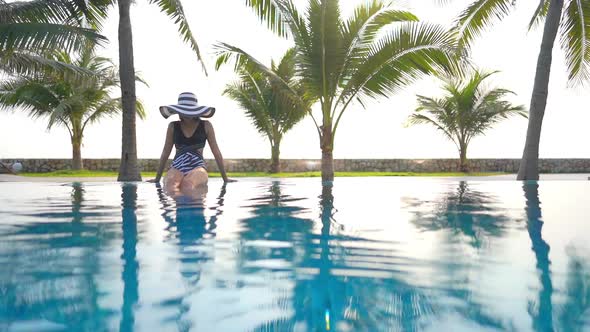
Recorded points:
186,220
189,136
188,227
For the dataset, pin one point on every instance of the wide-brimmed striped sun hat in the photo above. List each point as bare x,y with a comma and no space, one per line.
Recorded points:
188,105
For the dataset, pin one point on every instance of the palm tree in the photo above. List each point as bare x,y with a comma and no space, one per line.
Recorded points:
467,110
570,19
31,29
129,168
271,115
65,99
341,61
95,12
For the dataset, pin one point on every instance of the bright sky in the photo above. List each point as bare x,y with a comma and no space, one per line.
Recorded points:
170,67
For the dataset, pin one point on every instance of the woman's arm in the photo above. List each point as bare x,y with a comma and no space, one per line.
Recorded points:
215,149
165,152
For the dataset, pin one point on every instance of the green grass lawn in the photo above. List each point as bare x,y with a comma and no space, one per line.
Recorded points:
149,175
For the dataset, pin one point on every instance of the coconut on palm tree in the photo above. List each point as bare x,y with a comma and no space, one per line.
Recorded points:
376,52
271,114
466,110
568,18
30,30
66,100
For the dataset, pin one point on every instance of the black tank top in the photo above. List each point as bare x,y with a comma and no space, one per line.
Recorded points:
198,140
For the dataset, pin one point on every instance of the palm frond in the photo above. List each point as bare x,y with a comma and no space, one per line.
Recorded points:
575,40
79,13
369,18
493,103
174,9
28,95
140,109
139,78
360,30
48,11
442,2
94,12
250,98
31,31
286,67
401,56
32,65
466,91
227,53
467,109
60,113
325,56
66,99
270,12
41,37
417,119
539,14
478,16
262,96
108,107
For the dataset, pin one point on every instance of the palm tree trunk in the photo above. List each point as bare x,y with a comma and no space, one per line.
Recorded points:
129,170
529,165
463,166
77,163
275,166
327,153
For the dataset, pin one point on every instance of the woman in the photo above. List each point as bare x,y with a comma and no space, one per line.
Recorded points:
189,135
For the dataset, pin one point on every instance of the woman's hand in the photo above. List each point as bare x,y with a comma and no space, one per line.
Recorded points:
229,180
153,181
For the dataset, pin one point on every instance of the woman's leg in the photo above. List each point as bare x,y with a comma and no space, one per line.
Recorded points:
172,181
197,178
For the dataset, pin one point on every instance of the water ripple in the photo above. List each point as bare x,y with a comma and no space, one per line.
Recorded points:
295,256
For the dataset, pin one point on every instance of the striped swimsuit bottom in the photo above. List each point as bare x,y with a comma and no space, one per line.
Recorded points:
188,158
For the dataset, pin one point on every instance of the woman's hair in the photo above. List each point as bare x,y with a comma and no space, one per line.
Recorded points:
188,118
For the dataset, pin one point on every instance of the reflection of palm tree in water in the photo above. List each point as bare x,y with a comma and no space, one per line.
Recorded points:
469,215
324,304
542,311
78,215
37,269
574,315
464,211
321,299
347,300
274,220
77,199
574,311
129,257
365,302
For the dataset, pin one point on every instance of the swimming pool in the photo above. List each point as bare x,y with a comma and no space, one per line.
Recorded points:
368,254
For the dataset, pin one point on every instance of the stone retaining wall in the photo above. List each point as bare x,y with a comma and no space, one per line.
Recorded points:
351,165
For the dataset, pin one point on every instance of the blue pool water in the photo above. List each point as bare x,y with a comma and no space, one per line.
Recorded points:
370,254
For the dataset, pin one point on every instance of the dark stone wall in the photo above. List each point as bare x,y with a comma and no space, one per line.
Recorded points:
343,165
